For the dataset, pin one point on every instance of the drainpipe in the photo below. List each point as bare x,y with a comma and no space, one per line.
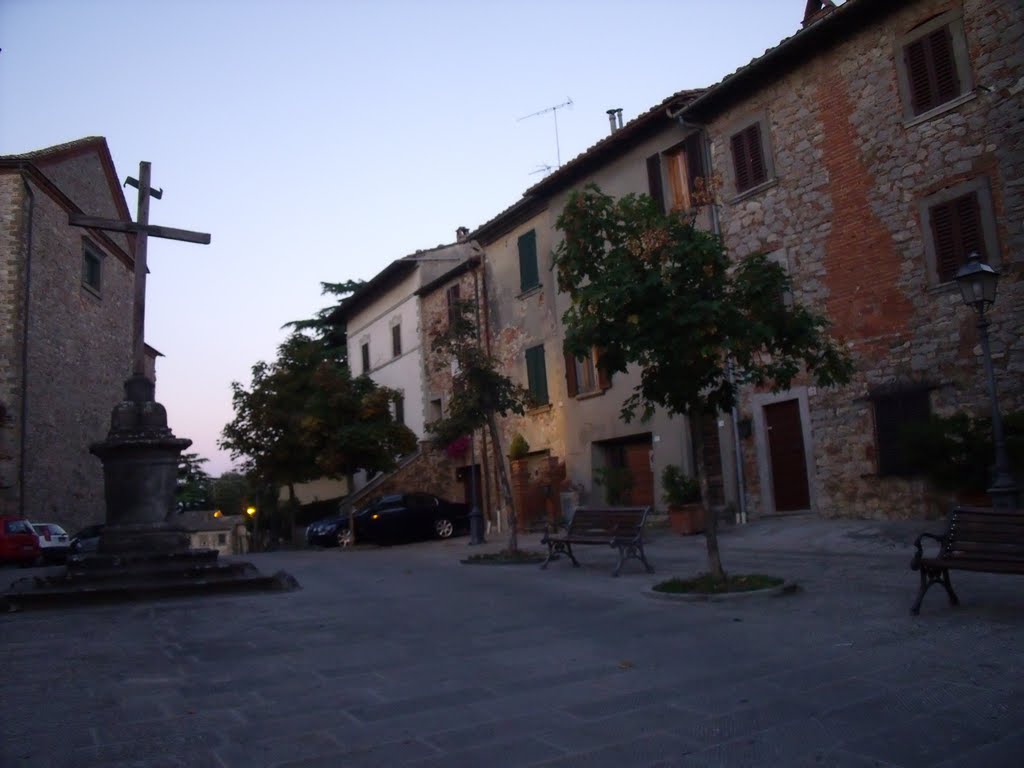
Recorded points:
23,449
716,228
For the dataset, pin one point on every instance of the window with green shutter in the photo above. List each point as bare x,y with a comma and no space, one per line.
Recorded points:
529,277
537,375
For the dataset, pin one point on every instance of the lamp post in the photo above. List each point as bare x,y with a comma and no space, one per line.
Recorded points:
978,282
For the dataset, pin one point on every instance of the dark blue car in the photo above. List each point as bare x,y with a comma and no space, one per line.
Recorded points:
397,517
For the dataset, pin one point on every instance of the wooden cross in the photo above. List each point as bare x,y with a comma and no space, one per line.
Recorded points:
142,229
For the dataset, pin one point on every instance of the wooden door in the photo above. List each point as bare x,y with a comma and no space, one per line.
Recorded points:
638,461
788,459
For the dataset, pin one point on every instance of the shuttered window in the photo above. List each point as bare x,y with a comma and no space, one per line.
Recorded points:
654,183
694,160
396,340
537,375
585,375
529,277
452,297
932,70
366,357
748,158
400,409
894,414
956,230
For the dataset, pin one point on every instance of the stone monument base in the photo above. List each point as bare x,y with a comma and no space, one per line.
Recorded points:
105,578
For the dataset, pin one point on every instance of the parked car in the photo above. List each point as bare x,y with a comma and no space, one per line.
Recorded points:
18,542
398,517
86,540
53,542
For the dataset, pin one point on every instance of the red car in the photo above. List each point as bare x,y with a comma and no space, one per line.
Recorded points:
18,542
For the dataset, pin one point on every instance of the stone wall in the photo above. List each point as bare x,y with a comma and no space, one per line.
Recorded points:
12,275
844,214
78,356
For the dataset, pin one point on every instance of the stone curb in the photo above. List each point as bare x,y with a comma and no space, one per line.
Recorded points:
786,588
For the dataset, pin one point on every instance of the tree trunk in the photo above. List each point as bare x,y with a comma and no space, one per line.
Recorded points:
711,519
506,486
289,516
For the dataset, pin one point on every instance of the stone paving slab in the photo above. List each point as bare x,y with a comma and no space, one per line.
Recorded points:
401,656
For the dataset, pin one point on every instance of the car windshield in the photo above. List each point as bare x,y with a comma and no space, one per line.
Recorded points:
18,526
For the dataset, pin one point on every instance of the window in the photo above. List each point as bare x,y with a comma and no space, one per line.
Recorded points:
366,356
750,160
222,539
400,409
933,64
681,166
435,410
452,297
92,268
396,339
584,375
894,413
957,222
529,277
537,375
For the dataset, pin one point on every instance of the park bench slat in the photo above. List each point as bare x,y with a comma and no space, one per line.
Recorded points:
976,539
617,527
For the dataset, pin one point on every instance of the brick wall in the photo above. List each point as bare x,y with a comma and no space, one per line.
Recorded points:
845,215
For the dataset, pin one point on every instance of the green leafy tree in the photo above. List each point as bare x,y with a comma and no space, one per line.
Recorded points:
480,394
324,325
194,484
232,493
650,289
304,416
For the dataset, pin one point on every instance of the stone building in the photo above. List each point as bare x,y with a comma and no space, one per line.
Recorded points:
870,153
65,328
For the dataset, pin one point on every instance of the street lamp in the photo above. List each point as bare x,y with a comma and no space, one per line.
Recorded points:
978,282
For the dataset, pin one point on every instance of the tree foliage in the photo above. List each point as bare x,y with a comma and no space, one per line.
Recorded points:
480,393
324,325
650,289
194,484
304,416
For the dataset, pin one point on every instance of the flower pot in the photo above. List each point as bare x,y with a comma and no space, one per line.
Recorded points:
687,519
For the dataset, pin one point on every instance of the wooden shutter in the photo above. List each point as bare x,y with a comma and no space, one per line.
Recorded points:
748,158
529,277
604,378
654,184
536,374
571,384
931,70
694,149
956,231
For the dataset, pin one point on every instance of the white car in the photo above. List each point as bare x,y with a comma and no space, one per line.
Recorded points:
53,542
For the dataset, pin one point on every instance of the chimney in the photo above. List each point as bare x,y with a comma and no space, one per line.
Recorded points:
611,119
461,235
618,115
817,9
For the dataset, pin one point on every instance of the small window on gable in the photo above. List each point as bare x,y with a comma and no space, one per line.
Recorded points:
529,276
933,64
92,268
396,339
895,413
750,161
366,356
537,375
452,299
957,222
400,409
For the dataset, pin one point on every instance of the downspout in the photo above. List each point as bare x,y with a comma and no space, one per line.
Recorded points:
23,448
716,228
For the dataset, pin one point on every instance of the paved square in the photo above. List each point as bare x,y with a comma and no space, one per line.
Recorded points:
403,656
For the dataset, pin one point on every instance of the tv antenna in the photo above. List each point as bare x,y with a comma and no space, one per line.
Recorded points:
542,168
554,113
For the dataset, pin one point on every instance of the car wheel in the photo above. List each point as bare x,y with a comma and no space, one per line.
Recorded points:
344,538
444,527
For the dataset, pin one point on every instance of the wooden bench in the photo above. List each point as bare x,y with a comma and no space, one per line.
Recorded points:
618,527
976,539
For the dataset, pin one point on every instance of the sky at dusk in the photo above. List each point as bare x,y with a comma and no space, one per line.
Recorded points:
319,140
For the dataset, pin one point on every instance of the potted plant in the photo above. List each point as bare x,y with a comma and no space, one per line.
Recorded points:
682,495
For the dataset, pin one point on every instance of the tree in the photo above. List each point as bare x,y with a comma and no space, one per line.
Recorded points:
323,325
305,416
194,483
480,393
650,289
232,493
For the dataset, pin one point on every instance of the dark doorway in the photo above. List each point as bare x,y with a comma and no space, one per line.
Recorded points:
788,459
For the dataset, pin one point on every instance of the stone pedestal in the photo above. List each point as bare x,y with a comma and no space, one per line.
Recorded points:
140,467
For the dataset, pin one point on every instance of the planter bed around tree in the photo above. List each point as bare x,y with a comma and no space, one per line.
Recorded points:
703,589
